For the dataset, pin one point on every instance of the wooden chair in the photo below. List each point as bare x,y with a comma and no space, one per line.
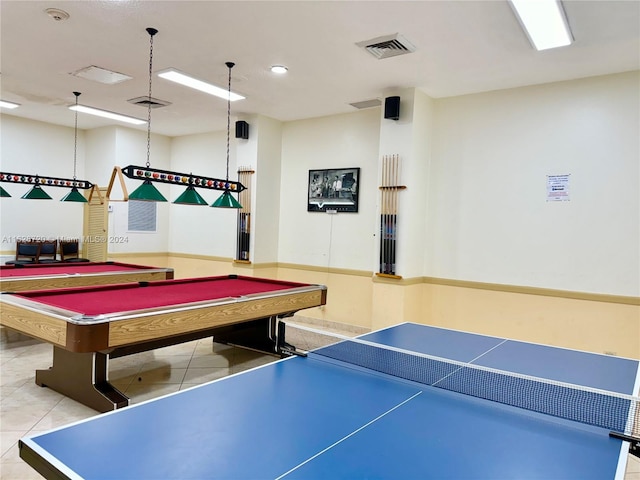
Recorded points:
70,251
26,252
48,252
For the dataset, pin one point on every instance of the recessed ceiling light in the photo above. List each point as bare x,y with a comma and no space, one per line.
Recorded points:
5,104
107,114
544,22
176,76
279,69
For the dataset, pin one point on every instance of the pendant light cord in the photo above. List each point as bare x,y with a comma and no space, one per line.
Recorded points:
230,65
151,32
75,141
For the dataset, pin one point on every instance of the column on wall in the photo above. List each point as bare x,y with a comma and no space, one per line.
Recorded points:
407,140
261,153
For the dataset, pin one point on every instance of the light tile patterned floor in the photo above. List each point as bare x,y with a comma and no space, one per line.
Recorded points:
26,407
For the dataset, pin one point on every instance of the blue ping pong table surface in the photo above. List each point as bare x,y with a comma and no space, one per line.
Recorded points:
307,418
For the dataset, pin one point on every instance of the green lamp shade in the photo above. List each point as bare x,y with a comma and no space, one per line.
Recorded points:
190,197
147,192
36,193
4,193
226,200
74,196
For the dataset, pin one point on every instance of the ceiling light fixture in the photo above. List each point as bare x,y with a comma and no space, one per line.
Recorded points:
226,200
5,104
37,181
147,192
36,192
106,114
176,76
190,196
544,22
279,69
74,195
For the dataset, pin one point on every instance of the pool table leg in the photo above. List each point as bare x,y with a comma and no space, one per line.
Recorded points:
83,377
257,334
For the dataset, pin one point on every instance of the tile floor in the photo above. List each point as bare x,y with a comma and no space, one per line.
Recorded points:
26,407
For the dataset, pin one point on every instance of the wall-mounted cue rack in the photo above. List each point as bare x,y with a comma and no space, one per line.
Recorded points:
244,216
389,215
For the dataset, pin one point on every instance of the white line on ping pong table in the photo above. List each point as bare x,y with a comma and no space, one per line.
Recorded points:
468,363
347,436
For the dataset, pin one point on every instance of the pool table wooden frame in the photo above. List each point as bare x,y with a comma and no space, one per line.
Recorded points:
40,280
82,345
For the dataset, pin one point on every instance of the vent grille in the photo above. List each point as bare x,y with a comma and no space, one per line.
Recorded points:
146,100
388,46
376,102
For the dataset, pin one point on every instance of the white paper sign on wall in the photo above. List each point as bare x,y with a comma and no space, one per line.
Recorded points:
558,188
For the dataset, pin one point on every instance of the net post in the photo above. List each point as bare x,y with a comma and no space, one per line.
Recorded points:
634,442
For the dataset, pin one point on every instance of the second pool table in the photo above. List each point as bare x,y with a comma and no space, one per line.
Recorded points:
88,325
44,276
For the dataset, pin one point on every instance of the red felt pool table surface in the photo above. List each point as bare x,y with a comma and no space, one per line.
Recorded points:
76,268
19,278
91,301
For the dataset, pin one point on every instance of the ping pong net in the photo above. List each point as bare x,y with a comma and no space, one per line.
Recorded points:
613,411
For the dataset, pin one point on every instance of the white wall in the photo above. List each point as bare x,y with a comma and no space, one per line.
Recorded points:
343,240
131,149
268,193
489,220
38,148
101,155
202,230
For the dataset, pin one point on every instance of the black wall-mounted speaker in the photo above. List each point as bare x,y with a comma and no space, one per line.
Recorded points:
242,129
392,108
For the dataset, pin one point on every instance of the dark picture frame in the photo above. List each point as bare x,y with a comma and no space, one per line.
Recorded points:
333,189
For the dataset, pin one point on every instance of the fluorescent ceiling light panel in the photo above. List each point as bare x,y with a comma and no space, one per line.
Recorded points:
107,114
5,104
544,22
184,79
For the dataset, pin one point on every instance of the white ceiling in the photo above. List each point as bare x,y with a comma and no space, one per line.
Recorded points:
461,47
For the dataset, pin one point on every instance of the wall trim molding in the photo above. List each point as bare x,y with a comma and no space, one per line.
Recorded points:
546,292
340,271
403,282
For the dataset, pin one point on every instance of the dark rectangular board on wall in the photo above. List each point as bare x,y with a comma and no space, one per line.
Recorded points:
334,189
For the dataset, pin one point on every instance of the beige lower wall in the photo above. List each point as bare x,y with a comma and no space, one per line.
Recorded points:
602,327
364,301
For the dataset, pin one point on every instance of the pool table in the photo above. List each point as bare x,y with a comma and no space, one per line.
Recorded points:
89,325
44,276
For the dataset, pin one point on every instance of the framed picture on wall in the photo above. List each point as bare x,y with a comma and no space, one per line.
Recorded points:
333,189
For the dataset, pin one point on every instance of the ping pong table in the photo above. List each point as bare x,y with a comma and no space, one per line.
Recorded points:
316,416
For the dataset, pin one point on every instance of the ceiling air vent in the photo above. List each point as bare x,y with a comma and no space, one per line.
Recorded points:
101,75
376,102
146,100
388,46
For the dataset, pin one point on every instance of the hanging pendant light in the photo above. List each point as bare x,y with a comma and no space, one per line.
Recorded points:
4,193
226,200
36,193
147,191
74,195
190,196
